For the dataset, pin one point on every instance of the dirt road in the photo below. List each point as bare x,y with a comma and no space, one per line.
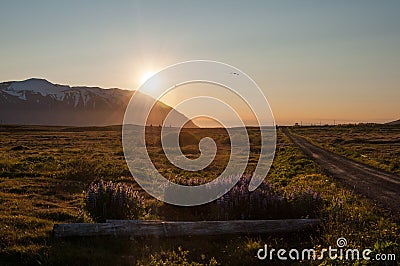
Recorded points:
380,186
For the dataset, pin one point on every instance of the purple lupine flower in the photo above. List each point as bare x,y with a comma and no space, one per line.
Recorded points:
106,200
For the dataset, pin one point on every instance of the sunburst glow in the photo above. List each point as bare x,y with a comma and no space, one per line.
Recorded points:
146,76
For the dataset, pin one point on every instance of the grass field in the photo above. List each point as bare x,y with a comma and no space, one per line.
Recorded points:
44,170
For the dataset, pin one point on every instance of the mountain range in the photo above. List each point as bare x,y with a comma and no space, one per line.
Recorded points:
397,122
39,102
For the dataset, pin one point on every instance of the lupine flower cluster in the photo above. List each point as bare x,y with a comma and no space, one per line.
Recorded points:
106,200
303,201
265,202
240,203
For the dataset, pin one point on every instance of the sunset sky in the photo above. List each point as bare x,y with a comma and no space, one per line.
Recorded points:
314,60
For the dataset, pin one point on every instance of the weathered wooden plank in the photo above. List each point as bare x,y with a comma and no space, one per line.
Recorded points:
178,228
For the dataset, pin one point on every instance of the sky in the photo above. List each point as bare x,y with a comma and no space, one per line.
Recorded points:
315,61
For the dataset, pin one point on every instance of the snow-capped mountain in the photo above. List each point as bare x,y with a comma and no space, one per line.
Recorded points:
78,97
40,102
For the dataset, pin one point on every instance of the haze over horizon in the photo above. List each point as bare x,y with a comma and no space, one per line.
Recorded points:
315,61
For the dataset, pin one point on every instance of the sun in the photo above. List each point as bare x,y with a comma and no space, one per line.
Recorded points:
146,76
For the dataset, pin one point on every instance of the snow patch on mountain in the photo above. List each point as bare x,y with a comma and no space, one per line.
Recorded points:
73,95
35,86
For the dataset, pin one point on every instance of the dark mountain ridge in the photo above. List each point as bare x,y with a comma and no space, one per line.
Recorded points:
397,122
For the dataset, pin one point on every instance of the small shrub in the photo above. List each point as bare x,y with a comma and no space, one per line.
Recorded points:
78,169
106,200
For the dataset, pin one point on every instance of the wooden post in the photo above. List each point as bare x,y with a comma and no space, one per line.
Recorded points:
168,228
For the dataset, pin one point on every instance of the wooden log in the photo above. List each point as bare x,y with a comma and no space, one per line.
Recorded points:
178,228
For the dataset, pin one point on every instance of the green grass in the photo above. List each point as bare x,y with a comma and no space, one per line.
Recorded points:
42,184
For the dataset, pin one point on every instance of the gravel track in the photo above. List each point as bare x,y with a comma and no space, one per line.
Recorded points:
380,186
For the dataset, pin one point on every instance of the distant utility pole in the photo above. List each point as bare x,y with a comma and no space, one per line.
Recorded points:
334,122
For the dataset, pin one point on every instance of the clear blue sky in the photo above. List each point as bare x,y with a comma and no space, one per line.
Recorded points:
315,60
